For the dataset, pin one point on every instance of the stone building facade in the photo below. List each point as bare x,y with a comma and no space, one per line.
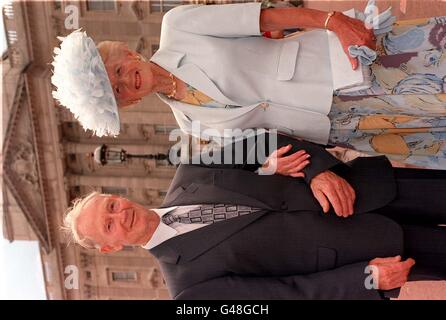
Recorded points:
48,158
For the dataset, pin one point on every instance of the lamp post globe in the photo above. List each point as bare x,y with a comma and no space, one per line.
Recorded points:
105,155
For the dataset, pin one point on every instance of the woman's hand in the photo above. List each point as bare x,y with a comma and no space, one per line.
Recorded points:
350,32
291,165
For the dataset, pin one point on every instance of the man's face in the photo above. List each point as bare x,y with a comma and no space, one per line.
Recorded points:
113,222
131,78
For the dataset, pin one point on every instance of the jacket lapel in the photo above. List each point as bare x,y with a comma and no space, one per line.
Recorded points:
194,76
168,59
190,245
196,193
209,116
195,185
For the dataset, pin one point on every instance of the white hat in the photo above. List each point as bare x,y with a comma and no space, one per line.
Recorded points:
83,85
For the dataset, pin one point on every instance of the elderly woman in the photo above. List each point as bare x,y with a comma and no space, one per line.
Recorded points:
213,66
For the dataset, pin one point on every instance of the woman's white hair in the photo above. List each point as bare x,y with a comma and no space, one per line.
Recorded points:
69,226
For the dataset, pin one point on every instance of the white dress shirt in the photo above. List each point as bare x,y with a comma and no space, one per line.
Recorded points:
164,232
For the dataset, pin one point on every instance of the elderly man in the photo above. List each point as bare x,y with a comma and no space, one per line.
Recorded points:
226,232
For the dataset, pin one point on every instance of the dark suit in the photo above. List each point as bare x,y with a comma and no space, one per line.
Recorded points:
290,249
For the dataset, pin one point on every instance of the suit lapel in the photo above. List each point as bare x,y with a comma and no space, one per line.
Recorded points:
209,116
168,59
189,73
192,244
194,76
195,185
196,193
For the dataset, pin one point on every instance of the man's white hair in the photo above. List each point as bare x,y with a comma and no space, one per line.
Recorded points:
70,222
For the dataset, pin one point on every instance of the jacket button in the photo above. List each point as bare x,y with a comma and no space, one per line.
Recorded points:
284,206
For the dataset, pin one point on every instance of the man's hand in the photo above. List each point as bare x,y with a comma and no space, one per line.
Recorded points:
291,165
392,272
329,188
351,31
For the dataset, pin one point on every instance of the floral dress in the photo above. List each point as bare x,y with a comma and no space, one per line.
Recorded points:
403,114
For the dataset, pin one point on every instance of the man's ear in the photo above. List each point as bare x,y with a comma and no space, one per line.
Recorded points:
124,104
110,249
123,45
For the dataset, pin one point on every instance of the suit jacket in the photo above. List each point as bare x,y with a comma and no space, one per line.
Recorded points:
290,249
283,84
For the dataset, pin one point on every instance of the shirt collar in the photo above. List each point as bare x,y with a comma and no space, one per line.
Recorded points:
163,232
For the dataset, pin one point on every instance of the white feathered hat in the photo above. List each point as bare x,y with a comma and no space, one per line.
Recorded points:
83,85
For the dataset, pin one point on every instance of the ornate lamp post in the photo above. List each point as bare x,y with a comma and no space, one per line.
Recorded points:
106,155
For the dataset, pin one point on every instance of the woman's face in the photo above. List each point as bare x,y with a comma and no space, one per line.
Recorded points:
131,78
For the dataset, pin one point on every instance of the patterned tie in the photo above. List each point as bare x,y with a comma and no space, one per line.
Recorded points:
209,213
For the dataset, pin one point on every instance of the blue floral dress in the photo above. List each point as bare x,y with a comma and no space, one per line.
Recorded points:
403,114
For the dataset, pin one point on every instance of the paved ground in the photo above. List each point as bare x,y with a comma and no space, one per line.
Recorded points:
404,9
